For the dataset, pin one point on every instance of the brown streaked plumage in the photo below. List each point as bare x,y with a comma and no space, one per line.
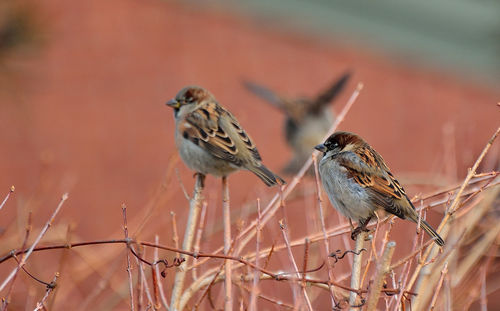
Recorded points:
307,119
210,139
358,182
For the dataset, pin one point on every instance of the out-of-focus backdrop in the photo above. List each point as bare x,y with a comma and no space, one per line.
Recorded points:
83,86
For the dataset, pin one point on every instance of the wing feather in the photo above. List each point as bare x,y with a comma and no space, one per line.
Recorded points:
216,130
363,166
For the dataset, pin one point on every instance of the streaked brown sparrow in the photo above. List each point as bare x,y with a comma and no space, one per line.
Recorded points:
358,182
211,141
307,119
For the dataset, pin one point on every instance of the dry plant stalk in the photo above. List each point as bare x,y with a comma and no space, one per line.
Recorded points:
12,188
199,232
25,242
144,287
228,301
383,268
255,286
194,211
356,268
444,225
294,265
129,270
41,304
37,240
175,235
438,289
157,274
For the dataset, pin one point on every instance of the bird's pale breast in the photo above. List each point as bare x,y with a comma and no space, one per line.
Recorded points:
347,196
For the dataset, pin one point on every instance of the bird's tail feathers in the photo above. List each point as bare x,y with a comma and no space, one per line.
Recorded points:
427,228
268,177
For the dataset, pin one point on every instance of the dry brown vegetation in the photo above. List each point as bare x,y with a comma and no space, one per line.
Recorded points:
260,266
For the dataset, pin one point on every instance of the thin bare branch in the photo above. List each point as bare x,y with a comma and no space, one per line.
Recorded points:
37,240
383,268
199,232
41,304
129,269
438,288
12,188
294,264
144,281
228,300
157,274
255,286
194,211
356,268
175,235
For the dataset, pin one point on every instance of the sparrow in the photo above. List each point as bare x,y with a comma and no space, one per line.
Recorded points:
358,183
211,141
307,119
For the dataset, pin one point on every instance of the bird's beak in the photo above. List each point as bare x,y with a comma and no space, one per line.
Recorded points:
321,148
173,103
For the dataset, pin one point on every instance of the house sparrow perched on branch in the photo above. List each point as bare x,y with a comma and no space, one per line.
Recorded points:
307,119
210,139
358,182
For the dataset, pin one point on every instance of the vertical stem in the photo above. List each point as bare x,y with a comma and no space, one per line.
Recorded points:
157,274
199,231
382,269
194,211
140,287
440,284
356,268
129,271
255,286
228,302
294,264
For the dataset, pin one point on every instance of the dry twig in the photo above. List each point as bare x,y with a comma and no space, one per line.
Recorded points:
194,211
129,270
228,301
37,240
382,269
41,304
438,289
356,268
12,188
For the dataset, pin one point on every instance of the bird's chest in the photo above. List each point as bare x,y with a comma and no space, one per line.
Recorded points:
199,159
347,196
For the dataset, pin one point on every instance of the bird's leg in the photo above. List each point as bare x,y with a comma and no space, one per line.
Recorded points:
362,223
202,178
350,222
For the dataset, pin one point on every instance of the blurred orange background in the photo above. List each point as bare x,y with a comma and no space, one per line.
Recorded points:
83,111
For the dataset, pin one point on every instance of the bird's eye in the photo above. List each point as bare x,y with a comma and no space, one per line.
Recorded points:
335,145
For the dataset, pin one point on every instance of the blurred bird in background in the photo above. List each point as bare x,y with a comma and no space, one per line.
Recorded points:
17,28
307,119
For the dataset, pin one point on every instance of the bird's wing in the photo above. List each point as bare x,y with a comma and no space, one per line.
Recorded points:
266,94
330,93
214,129
367,168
